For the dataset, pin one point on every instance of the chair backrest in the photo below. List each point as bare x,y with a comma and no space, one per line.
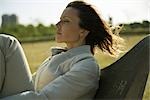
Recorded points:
127,77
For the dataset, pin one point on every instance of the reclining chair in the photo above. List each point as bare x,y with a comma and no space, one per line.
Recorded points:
127,77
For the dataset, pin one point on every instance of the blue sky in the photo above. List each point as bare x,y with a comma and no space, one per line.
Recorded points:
49,11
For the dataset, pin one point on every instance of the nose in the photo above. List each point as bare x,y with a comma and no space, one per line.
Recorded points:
58,24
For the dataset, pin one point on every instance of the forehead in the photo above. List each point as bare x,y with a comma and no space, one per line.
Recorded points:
70,12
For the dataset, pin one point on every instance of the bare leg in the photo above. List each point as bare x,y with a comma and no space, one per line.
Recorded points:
15,75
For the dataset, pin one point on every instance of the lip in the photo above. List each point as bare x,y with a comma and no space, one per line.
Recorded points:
59,33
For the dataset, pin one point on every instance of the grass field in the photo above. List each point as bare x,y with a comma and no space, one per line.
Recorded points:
37,52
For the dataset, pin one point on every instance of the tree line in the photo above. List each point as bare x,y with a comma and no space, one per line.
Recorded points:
136,28
42,32
30,32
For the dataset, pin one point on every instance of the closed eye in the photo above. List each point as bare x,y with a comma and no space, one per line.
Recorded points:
66,21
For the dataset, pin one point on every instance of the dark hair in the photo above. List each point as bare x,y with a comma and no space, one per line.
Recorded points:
99,32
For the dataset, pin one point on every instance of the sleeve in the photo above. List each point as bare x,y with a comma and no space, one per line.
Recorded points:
82,79
29,95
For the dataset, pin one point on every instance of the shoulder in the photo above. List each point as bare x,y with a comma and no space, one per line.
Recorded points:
85,58
80,62
85,62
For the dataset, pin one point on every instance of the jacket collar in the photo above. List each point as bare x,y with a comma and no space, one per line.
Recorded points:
74,51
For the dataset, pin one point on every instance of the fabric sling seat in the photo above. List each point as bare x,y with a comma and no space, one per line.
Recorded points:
126,78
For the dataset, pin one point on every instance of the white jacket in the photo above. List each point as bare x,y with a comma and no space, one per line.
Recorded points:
69,75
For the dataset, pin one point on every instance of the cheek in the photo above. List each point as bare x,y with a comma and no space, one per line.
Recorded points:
71,33
71,37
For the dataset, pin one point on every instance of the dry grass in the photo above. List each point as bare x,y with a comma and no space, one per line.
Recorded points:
37,52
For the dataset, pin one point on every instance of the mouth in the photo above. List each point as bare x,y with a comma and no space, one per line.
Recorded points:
59,33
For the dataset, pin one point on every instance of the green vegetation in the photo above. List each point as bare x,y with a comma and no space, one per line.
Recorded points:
136,28
30,33
40,32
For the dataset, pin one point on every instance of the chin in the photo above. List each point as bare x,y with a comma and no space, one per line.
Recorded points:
58,41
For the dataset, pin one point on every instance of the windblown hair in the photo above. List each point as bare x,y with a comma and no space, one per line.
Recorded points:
100,34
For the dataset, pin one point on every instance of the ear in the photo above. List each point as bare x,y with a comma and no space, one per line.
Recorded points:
84,33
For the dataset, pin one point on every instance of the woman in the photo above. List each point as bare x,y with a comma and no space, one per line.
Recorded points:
71,73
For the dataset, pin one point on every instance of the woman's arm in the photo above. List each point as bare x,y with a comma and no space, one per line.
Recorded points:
80,82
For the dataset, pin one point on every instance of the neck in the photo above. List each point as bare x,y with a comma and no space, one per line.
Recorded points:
74,45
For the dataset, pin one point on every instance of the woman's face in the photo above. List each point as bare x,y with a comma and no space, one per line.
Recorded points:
68,29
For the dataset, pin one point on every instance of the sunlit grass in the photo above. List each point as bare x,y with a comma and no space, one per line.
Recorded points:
37,52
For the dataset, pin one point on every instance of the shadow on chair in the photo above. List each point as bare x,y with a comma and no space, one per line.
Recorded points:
127,77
